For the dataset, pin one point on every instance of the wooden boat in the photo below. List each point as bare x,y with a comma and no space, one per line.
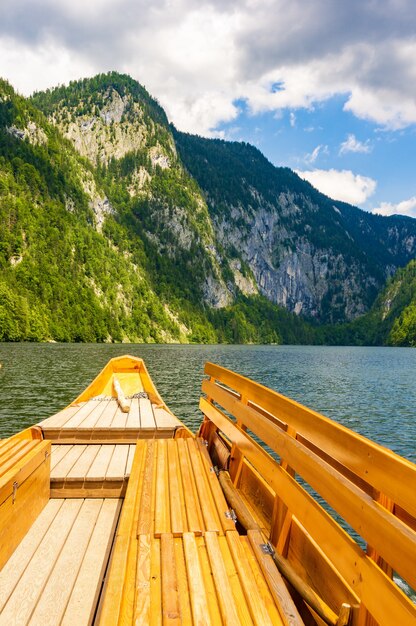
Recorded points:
113,512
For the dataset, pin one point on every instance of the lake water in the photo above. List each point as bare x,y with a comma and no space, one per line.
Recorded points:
371,390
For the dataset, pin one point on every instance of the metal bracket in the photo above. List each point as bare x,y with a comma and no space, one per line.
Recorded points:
267,548
15,486
230,514
214,469
205,443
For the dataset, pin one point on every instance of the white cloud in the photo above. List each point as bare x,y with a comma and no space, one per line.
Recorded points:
311,158
352,144
406,207
199,56
341,185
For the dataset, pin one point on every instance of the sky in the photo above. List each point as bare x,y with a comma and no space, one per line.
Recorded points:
326,87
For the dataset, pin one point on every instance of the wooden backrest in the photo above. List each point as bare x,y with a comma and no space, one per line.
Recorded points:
365,483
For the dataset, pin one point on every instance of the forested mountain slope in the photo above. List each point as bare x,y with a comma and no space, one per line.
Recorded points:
115,226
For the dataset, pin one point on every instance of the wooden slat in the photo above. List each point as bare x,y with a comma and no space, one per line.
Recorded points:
183,589
132,449
99,466
81,467
176,497
57,591
84,596
94,416
106,417
120,418
209,511
147,497
67,462
133,418
59,419
117,466
147,419
58,453
142,597
257,607
18,455
30,586
155,585
17,563
82,414
170,593
164,419
199,603
386,471
225,596
162,504
193,509
260,581
217,492
275,581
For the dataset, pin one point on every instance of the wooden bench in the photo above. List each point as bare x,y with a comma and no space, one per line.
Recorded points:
103,421
369,486
55,575
24,486
90,471
178,558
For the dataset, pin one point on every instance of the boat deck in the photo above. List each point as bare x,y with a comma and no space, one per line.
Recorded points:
102,420
178,558
56,573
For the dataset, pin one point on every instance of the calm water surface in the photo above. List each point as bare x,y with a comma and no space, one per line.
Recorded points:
371,390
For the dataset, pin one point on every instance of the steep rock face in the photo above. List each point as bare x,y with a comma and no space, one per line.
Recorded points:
122,131
316,257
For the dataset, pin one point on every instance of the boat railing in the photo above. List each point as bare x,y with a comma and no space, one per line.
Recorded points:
369,486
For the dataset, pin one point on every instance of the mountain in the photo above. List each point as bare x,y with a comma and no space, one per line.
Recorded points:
115,226
306,252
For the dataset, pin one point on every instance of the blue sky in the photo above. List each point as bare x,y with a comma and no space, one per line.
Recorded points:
326,87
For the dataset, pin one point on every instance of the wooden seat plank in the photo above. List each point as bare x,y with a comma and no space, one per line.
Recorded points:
222,584
183,589
170,593
19,606
9,447
164,419
198,596
81,606
193,509
59,419
120,417
117,466
216,490
142,596
147,498
260,581
99,466
132,449
67,462
209,511
17,563
81,467
106,417
258,610
133,417
155,585
176,497
274,580
162,504
86,410
57,591
94,416
147,419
